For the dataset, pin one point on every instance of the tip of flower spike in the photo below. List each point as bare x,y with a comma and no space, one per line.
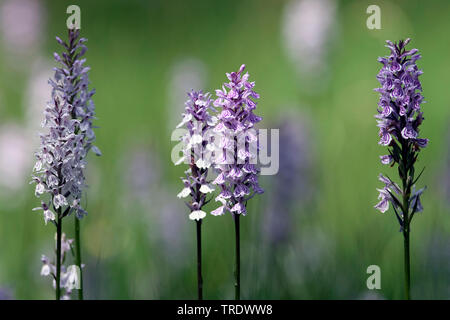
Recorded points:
61,42
241,69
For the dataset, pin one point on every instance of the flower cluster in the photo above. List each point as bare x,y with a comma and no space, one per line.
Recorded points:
69,275
197,151
399,114
237,175
71,83
60,161
389,193
399,117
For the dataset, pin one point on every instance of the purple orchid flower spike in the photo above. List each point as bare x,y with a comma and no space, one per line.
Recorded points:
59,172
197,150
237,172
399,118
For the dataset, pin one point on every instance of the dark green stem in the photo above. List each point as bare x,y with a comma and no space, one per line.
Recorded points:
406,218
78,256
237,274
406,242
199,260
58,254
407,265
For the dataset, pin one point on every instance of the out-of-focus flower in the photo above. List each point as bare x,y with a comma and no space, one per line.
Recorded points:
291,186
443,180
171,228
37,94
21,25
145,193
307,29
435,255
141,174
5,294
14,162
237,175
399,117
308,254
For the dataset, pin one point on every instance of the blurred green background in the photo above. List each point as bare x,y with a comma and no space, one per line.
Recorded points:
314,232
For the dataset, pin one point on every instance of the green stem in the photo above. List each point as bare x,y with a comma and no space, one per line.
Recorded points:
407,265
199,260
406,220
78,256
58,255
237,274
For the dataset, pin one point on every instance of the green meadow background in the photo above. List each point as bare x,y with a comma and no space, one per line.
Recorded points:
138,242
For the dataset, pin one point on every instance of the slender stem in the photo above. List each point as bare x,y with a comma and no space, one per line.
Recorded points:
407,265
78,256
237,274
58,255
406,244
199,260
406,221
